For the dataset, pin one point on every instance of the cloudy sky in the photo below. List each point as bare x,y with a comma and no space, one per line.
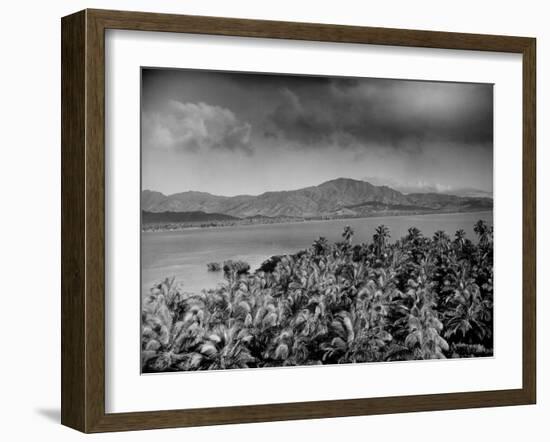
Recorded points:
238,133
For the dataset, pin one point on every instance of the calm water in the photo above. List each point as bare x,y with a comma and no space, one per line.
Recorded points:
185,254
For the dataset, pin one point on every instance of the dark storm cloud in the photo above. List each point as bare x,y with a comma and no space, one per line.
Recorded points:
401,114
239,111
235,133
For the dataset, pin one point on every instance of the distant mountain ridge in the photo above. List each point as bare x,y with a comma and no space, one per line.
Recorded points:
341,196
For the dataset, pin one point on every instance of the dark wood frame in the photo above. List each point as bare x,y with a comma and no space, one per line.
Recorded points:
83,217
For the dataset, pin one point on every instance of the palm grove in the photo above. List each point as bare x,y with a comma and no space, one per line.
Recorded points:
415,298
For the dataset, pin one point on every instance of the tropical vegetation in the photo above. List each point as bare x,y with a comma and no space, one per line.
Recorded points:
334,303
214,266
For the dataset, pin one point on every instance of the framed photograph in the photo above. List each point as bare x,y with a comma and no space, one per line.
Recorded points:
266,221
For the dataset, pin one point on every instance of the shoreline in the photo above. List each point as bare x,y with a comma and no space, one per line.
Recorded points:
213,226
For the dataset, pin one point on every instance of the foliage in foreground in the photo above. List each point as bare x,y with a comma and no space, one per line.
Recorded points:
416,298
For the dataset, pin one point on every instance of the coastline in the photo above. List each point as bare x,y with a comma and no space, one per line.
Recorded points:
178,227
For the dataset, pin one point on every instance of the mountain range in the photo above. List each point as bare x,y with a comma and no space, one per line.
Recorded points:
339,197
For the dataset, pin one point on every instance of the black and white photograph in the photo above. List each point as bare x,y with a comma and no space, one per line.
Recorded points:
297,220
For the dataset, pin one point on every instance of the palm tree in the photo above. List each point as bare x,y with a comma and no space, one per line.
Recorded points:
413,234
469,316
380,237
224,348
320,246
483,232
347,234
441,240
423,327
460,238
322,306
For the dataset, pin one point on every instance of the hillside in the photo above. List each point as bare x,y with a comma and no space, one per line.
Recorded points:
337,197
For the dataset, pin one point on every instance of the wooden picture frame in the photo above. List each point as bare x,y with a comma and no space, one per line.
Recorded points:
83,220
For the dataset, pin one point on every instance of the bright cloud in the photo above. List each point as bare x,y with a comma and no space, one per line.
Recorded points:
195,127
